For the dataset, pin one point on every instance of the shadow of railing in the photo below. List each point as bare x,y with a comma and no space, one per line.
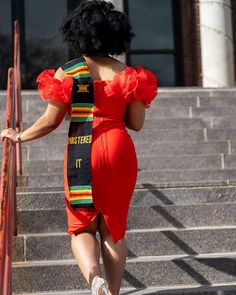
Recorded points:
221,264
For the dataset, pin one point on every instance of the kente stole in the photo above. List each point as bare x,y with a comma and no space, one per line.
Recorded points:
80,135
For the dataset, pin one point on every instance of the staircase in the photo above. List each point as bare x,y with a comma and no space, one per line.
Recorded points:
181,229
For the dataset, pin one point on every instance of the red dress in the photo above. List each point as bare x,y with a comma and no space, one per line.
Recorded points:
113,156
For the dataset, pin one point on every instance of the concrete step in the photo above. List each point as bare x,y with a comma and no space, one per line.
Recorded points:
209,111
158,178
166,96
62,128
157,125
198,162
140,272
218,122
156,111
191,135
177,93
44,189
60,135
151,149
144,163
140,243
197,93
157,185
165,216
142,197
209,162
185,176
154,134
170,123
220,134
189,162
31,100
214,289
180,111
150,134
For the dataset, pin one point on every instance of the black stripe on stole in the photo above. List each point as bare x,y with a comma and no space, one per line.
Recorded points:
80,135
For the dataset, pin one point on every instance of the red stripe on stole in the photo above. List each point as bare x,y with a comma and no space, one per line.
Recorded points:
80,194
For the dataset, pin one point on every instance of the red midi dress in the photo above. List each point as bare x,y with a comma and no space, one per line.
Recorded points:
114,163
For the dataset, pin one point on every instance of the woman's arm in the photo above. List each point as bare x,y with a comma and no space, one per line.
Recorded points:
135,115
48,122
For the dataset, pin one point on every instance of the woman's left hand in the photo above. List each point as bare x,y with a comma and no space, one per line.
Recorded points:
10,133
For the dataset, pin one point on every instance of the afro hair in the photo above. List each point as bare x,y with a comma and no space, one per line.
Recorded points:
94,27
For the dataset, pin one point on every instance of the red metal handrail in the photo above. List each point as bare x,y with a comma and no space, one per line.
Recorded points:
8,193
11,168
18,105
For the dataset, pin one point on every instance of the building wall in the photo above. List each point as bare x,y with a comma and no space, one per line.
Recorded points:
191,43
233,3
188,38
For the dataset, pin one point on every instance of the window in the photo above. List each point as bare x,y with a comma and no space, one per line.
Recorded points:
40,39
155,45
43,43
5,41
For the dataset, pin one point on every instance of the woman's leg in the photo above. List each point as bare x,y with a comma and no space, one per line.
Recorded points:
86,250
114,257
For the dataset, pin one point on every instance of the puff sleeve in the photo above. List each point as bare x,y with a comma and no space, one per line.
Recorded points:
134,84
53,88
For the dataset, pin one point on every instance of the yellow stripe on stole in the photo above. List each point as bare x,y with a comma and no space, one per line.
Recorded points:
76,74
81,69
82,109
81,191
81,115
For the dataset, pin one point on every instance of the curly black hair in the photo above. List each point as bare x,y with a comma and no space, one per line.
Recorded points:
94,27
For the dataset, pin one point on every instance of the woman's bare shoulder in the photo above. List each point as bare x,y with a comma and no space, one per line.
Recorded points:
117,65
59,74
104,68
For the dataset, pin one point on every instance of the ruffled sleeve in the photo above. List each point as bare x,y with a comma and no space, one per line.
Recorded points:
134,84
53,88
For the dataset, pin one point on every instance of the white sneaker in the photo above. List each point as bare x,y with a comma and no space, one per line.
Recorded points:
99,286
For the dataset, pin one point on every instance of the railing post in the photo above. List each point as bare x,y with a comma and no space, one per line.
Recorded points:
18,110
8,179
10,221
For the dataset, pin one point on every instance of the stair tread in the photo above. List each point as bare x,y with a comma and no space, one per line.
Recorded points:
185,272
165,216
164,243
188,290
139,259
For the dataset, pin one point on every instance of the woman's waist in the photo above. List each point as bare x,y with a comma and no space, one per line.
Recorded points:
103,121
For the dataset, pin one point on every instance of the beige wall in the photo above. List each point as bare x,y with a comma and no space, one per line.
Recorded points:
118,4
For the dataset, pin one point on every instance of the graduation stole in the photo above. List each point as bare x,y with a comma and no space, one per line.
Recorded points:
80,135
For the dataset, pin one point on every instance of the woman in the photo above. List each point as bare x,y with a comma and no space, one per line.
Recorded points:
113,96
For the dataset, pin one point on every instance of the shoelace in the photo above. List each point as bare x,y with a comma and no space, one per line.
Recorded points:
99,285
